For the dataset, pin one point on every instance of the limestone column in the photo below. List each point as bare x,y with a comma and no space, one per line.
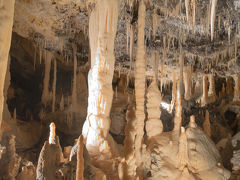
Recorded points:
140,71
102,31
6,24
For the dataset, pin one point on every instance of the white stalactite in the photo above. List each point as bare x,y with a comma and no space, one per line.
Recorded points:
102,31
213,15
45,92
54,85
140,70
6,19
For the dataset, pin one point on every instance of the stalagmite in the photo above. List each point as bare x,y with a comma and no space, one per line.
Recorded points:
213,15
6,19
52,134
154,124
178,111
140,82
80,160
102,31
183,151
45,92
54,85
236,88
129,147
207,125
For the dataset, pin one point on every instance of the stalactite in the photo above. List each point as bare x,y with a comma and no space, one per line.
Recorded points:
208,19
236,88
132,45
174,90
74,89
54,85
207,125
52,134
212,91
40,55
187,9
155,23
35,57
140,81
6,19
229,86
204,98
181,62
45,94
154,125
188,83
15,115
229,35
213,15
62,103
194,14
127,33
80,160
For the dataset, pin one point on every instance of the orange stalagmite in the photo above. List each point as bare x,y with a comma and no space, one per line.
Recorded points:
80,160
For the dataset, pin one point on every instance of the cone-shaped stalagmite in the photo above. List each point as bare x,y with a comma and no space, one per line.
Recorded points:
80,160
6,23
154,124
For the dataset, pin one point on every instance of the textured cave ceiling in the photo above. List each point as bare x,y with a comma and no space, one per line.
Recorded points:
57,24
